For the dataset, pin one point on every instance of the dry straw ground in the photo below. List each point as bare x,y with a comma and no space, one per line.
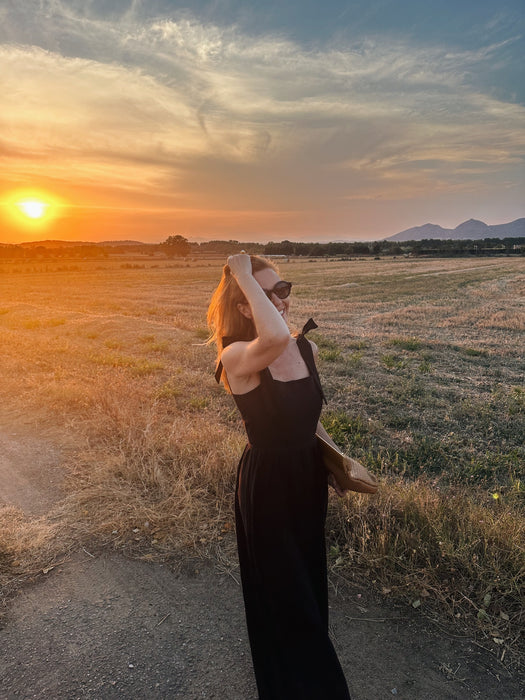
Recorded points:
422,363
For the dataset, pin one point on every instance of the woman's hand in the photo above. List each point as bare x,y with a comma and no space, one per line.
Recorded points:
333,483
240,265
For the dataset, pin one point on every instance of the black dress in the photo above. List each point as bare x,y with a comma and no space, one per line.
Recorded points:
280,505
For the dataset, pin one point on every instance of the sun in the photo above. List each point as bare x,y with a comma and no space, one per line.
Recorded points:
32,211
33,208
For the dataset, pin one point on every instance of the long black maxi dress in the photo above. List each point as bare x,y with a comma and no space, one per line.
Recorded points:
281,501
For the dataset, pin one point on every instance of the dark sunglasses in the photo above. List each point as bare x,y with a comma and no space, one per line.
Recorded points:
282,290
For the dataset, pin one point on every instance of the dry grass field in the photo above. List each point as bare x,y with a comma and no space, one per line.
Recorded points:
423,366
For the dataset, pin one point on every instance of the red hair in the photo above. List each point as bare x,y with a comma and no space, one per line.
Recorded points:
224,318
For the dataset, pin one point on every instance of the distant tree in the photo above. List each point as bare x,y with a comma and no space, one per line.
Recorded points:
282,248
175,247
39,251
360,249
335,248
222,247
287,247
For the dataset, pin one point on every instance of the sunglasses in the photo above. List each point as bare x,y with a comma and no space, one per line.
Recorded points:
281,290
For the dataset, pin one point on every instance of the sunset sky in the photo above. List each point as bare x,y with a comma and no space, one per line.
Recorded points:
300,119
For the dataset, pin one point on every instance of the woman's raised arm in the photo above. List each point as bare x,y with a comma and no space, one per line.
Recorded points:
243,359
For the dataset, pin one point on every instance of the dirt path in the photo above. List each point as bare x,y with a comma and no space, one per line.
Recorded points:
107,627
30,473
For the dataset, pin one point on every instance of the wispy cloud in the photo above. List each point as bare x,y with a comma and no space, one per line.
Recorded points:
206,116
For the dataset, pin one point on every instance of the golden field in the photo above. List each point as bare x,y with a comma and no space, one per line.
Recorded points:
423,366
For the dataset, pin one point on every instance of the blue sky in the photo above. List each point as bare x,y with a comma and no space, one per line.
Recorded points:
259,121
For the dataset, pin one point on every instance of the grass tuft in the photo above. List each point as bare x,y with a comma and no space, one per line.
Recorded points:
411,344
440,545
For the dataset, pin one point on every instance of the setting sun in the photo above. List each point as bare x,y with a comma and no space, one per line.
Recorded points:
33,208
31,211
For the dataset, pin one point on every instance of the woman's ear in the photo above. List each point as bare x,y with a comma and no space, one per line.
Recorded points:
245,310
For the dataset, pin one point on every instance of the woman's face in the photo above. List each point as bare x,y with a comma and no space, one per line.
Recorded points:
267,278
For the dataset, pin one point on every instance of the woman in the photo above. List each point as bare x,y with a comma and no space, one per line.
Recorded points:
281,494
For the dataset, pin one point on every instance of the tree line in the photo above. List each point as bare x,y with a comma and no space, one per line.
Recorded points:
430,247
178,246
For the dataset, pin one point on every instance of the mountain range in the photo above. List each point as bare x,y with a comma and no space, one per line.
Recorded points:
468,230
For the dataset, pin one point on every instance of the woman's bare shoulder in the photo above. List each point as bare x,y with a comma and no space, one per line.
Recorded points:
239,380
231,353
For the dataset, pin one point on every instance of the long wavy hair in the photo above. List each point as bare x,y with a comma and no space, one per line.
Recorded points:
224,318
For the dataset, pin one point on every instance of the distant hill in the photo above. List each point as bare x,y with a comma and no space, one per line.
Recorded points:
52,244
114,244
468,230
75,244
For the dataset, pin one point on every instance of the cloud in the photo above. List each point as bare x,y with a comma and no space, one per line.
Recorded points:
207,116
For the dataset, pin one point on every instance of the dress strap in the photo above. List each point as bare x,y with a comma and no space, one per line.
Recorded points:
226,340
218,372
307,354
309,326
